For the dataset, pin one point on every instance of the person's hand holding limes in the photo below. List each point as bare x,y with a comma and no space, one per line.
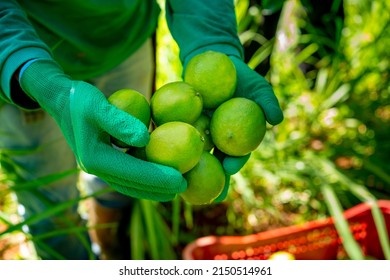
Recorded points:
253,86
237,122
199,26
88,121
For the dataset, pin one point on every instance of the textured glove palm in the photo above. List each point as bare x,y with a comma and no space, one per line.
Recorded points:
87,120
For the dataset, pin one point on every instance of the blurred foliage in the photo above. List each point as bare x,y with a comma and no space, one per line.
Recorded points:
168,65
328,64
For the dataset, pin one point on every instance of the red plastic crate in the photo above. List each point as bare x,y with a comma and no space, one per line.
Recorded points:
314,240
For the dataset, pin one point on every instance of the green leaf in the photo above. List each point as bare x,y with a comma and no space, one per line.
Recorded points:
147,209
340,95
137,233
176,203
261,54
351,246
272,6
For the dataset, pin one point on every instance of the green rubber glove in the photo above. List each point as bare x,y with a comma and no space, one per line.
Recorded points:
213,27
231,165
87,120
253,86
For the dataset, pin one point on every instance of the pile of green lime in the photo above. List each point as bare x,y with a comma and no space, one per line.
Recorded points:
185,137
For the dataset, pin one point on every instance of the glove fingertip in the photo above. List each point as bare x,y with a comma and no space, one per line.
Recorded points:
135,133
182,186
274,115
222,196
232,165
139,137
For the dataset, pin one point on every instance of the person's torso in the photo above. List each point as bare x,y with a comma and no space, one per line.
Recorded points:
89,37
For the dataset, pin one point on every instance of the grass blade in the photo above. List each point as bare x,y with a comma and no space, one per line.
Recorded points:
188,217
364,195
339,95
382,230
137,233
147,209
306,53
261,54
55,209
350,244
166,247
176,203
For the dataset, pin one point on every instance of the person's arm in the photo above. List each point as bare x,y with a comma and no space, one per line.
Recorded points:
83,113
19,43
201,25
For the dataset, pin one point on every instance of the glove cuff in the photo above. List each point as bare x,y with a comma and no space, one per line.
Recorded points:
201,25
44,81
21,71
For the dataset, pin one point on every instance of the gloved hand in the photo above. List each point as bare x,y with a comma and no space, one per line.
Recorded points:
87,120
253,86
213,27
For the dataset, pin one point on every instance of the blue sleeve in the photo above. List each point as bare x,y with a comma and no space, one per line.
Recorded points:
19,43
